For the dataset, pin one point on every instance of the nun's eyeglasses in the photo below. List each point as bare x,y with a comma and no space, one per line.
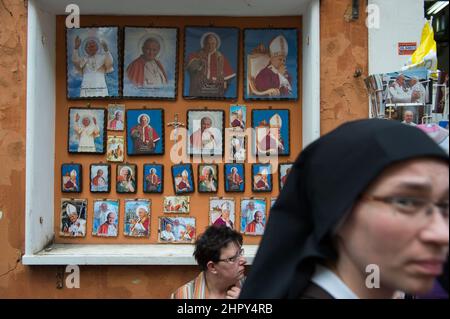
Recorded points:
235,258
413,206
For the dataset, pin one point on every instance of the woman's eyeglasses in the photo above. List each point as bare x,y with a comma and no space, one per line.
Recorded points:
235,258
413,206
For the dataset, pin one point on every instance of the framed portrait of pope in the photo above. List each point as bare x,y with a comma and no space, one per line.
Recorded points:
271,136
205,132
271,64
150,63
87,130
210,63
92,62
145,131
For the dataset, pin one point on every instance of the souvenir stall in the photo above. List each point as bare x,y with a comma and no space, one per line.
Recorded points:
149,127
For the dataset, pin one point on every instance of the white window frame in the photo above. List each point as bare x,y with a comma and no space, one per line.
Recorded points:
40,132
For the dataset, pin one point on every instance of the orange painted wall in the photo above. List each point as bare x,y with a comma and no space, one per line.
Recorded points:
342,99
199,202
343,50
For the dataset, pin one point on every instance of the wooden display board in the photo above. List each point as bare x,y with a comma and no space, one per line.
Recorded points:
199,201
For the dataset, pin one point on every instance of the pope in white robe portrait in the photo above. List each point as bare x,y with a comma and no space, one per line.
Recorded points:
92,66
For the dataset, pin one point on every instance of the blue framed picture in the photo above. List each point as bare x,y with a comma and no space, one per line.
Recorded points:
183,179
92,63
150,63
153,178
106,218
137,215
253,216
210,62
145,132
271,64
238,117
234,178
262,178
87,130
71,177
271,132
100,178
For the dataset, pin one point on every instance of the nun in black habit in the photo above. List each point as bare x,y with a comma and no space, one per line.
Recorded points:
325,185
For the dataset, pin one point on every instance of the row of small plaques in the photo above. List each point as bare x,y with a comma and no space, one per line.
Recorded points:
182,178
178,229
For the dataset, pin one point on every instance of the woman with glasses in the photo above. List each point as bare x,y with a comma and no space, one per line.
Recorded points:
364,214
219,254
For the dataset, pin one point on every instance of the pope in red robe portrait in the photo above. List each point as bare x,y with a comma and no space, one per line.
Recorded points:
209,70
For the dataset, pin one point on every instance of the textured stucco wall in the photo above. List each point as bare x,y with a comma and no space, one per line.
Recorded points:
343,47
12,144
343,50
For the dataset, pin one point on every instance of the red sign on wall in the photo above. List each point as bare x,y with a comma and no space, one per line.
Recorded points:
406,48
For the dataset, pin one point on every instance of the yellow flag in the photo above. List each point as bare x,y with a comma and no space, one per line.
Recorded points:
425,55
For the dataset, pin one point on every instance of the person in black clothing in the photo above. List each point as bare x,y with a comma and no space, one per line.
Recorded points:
363,214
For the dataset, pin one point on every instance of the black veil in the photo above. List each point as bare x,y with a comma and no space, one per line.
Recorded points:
323,184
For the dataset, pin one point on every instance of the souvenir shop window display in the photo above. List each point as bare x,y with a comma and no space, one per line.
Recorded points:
271,64
210,63
87,130
177,230
92,62
253,216
205,132
105,218
176,204
126,178
234,177
183,179
272,130
222,212
153,178
100,178
73,217
145,132
71,178
150,63
208,178
262,180
137,217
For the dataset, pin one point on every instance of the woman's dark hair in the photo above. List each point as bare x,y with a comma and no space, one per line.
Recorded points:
211,242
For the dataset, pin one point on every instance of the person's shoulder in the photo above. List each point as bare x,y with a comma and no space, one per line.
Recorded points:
313,291
185,291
